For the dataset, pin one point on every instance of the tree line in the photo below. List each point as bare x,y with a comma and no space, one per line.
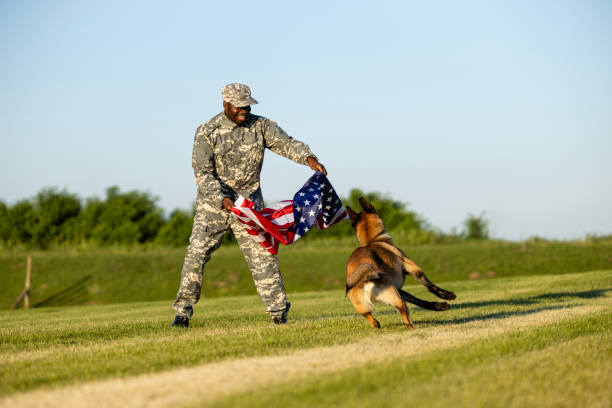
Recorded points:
58,218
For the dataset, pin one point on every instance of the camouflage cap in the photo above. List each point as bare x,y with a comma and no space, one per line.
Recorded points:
238,95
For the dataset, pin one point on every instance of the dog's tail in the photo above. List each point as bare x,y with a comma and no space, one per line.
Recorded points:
437,306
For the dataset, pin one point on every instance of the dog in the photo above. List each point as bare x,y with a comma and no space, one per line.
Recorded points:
376,270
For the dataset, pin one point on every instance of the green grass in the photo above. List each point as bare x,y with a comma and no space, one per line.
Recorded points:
525,341
105,276
537,368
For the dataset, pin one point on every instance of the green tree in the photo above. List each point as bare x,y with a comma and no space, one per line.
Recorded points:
21,223
4,223
123,218
53,211
176,230
476,227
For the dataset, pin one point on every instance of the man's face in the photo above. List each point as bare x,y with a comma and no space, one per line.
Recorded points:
236,115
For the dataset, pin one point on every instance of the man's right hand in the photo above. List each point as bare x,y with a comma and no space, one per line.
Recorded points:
315,165
227,203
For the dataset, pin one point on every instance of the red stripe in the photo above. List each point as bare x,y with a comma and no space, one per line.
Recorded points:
283,211
272,233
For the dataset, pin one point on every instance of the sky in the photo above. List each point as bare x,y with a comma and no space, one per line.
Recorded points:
454,108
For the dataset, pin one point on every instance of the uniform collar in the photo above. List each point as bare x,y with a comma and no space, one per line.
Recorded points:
226,122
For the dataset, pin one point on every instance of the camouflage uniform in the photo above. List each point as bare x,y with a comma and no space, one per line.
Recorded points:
227,160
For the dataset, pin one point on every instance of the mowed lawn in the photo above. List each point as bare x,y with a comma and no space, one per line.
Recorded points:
507,342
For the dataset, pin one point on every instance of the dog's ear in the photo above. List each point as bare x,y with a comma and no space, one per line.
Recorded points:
352,214
366,206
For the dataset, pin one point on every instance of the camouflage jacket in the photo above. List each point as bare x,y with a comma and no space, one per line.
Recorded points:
227,157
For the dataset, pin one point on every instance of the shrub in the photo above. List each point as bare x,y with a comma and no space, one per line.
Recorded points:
176,230
476,227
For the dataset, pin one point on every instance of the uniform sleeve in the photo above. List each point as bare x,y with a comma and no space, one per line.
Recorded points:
284,145
202,160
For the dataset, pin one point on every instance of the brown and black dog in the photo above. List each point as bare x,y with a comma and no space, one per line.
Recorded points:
376,270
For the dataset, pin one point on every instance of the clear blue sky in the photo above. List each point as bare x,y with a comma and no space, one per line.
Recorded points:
452,107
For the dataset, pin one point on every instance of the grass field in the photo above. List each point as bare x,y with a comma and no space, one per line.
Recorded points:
105,276
508,342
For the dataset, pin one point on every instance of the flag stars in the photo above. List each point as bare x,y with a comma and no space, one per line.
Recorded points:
312,207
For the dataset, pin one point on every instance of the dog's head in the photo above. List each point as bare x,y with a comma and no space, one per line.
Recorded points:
367,224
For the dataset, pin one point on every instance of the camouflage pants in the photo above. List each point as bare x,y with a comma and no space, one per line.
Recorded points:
209,226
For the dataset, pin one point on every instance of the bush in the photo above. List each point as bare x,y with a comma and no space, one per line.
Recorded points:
52,210
476,227
177,230
21,222
123,219
56,217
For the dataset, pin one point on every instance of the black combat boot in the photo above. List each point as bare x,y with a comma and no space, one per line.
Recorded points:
282,319
279,320
180,321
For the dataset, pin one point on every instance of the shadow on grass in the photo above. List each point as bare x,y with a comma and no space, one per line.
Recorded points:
491,316
587,294
540,300
534,300
75,294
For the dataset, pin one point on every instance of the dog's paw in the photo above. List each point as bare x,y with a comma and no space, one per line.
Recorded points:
441,306
446,294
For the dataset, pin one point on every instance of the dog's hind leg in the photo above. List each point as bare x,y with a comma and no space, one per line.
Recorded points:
375,324
417,273
390,296
437,306
363,304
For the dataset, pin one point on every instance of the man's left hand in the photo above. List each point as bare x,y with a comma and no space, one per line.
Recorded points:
315,165
227,203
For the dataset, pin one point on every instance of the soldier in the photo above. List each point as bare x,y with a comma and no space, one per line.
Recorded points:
228,153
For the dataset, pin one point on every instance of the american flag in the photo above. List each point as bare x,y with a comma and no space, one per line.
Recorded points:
315,205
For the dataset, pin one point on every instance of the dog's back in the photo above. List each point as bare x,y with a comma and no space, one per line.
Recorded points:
382,264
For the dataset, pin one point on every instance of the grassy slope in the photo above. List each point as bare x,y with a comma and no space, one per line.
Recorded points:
562,362
115,276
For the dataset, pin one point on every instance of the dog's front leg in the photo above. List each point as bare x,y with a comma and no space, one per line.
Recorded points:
417,273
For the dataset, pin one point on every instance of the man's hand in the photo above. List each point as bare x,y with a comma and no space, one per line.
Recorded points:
315,165
227,203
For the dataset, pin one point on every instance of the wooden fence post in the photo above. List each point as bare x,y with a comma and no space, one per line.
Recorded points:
25,295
